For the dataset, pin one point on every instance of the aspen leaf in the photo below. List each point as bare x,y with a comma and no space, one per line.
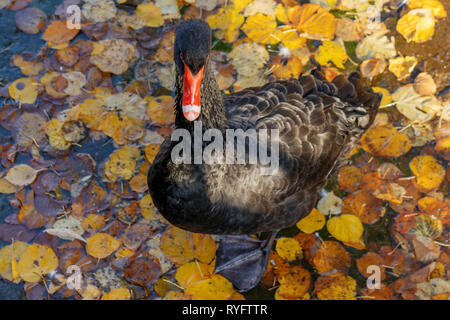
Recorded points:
21,175
8,254
436,7
93,222
349,178
417,25
65,234
36,261
101,245
289,69
370,259
313,222
215,288
427,226
429,173
424,84
314,22
289,249
260,28
192,272
295,284
8,187
181,246
331,257
151,14
385,141
227,20
346,228
414,106
331,51
58,33
55,135
335,287
160,109
117,294
402,67
121,164
23,90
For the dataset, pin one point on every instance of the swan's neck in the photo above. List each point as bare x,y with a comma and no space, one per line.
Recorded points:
212,113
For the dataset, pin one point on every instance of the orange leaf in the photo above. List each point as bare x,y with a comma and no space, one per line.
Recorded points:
57,32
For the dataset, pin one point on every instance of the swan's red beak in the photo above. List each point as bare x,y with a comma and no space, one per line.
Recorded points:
191,93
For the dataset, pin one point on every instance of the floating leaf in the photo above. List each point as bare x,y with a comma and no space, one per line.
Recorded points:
331,258
289,249
349,178
228,20
58,33
414,106
313,222
331,51
417,25
21,175
23,90
424,84
335,287
36,261
402,67
181,246
385,141
101,245
9,255
65,234
314,22
192,272
295,284
215,288
429,173
93,222
346,228
370,259
260,28
121,164
151,14
117,294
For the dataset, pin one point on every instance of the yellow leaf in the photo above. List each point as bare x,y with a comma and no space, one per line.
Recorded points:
36,261
331,51
215,288
181,246
21,175
331,257
289,249
8,260
335,287
121,164
93,222
151,14
117,294
387,98
8,187
346,227
228,20
313,222
23,90
417,25
151,151
101,245
260,28
402,67
192,272
384,140
314,22
295,284
160,109
55,135
288,37
435,6
429,173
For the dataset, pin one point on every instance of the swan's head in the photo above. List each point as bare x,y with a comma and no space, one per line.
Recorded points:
191,53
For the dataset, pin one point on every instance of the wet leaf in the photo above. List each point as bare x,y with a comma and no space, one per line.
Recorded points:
21,175
385,141
117,294
429,173
24,90
331,258
58,33
417,25
314,22
101,245
313,222
331,51
295,284
346,228
150,14
9,255
215,288
260,27
35,262
336,287
289,249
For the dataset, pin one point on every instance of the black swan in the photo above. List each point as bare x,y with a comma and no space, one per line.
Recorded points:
319,123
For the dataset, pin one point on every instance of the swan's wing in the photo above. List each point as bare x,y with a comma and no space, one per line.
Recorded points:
318,123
